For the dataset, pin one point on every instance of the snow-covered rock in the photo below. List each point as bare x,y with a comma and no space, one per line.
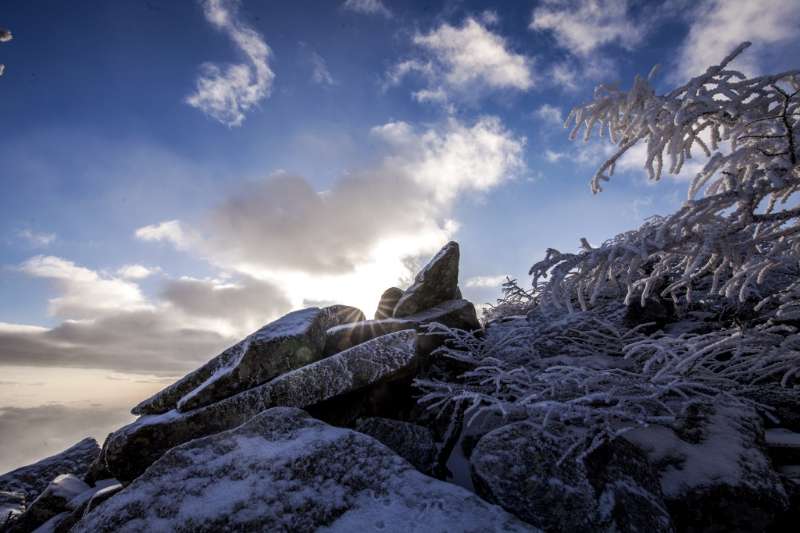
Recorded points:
12,504
413,443
291,341
713,469
387,303
53,500
517,467
131,449
452,313
437,282
285,471
32,479
80,505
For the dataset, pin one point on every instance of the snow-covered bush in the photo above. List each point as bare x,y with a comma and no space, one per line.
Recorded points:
740,221
728,260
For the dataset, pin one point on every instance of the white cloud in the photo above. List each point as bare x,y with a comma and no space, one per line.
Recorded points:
36,239
554,157
718,26
85,293
368,7
350,242
136,271
486,282
464,62
227,94
171,231
5,35
320,73
550,114
582,26
454,159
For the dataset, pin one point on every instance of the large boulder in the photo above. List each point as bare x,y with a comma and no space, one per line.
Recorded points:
53,500
517,467
713,469
131,449
628,490
388,302
434,284
285,471
292,341
413,443
452,313
31,480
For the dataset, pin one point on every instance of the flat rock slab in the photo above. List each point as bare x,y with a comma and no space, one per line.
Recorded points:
292,341
285,471
434,284
31,480
452,313
131,449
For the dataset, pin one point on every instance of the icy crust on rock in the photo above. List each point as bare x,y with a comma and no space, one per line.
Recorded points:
134,447
31,480
285,471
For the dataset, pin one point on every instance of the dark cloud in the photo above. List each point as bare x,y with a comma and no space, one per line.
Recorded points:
249,303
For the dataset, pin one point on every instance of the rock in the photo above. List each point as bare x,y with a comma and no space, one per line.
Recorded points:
388,301
285,471
82,505
434,284
131,449
783,446
453,313
346,336
413,443
12,504
714,473
292,341
628,490
31,480
52,501
516,467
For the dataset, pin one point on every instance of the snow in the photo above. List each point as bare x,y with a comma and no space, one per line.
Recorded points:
782,438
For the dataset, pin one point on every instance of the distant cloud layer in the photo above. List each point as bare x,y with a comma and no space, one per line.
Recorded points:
462,61
368,7
226,94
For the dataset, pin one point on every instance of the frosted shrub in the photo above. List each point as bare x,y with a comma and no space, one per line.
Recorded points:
572,360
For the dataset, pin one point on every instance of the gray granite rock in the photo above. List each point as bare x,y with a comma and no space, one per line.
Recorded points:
437,282
388,301
516,467
285,471
12,504
713,469
628,490
53,500
291,341
452,313
413,443
32,479
131,449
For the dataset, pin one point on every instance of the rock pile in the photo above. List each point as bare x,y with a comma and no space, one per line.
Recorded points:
312,422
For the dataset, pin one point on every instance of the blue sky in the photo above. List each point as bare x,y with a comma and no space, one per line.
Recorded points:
175,174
